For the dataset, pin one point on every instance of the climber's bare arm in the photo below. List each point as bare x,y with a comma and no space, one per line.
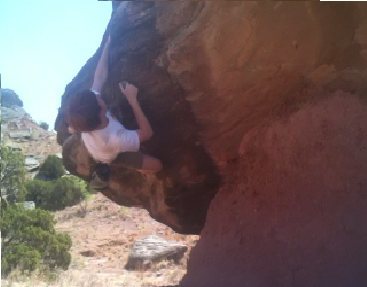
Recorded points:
101,73
145,131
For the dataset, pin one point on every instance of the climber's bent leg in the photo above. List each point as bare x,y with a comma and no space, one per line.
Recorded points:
151,164
139,161
133,160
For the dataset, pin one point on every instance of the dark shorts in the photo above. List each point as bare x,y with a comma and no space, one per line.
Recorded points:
101,174
129,159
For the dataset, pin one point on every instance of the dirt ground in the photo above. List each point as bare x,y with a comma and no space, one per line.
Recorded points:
103,233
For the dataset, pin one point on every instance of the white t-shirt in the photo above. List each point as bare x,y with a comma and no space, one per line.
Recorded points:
105,144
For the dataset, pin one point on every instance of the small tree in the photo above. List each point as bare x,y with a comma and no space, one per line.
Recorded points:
12,175
56,195
51,169
40,192
68,191
44,125
29,239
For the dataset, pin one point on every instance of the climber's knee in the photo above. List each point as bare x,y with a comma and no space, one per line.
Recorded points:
151,164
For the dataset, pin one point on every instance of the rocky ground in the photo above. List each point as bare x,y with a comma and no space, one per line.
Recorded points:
103,233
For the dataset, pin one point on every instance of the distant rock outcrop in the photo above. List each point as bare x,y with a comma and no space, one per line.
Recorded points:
9,98
20,132
260,106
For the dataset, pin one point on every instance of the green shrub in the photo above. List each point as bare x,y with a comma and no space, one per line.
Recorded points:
44,125
51,169
67,191
21,256
12,175
29,239
57,194
39,191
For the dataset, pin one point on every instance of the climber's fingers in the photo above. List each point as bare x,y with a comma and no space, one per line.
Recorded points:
127,88
122,86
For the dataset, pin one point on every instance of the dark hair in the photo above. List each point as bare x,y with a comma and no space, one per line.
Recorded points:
83,111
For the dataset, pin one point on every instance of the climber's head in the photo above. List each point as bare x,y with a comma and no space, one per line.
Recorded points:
87,112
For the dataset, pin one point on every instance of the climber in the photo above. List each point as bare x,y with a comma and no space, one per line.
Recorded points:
104,137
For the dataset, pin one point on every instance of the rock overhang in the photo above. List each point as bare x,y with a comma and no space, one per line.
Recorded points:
209,73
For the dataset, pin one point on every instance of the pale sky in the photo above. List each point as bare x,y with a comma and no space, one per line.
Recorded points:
43,46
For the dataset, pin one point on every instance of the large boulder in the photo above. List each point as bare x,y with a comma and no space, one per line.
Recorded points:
293,213
259,110
153,249
182,193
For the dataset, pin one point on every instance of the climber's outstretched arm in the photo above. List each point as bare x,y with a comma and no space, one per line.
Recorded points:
145,131
101,73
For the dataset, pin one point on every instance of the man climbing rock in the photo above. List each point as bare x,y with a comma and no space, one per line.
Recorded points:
105,138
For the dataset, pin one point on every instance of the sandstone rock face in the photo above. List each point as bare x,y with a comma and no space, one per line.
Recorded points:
293,211
261,103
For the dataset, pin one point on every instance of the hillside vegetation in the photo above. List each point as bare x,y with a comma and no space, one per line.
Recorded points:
29,239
